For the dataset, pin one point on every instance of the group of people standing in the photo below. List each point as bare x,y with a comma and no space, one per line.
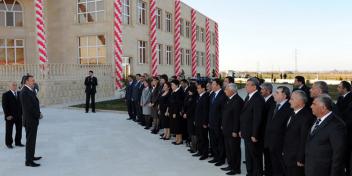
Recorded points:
285,133
21,108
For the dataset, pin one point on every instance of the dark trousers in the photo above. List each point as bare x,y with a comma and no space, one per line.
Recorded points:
9,128
267,162
277,162
253,157
203,141
138,111
90,96
349,164
129,108
294,171
31,135
233,152
217,144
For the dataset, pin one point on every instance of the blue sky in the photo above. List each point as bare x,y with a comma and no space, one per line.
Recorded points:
263,34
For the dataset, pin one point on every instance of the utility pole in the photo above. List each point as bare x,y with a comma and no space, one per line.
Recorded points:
296,60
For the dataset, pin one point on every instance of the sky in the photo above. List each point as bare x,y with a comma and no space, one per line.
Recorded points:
267,35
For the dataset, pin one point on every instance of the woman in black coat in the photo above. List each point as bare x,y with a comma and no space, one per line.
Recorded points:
176,102
163,102
188,113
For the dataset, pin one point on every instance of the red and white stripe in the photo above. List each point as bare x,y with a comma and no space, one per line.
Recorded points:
207,49
177,38
41,38
194,42
118,43
153,40
216,50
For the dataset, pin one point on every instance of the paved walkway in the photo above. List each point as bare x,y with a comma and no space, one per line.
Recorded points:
75,143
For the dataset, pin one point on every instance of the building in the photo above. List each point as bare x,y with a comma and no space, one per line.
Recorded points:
80,37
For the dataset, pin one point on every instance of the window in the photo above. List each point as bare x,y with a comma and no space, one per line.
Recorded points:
202,57
182,53
126,11
92,49
11,51
142,12
188,29
188,57
197,33
11,14
182,27
159,20
168,22
214,38
142,52
198,56
159,50
202,34
168,55
90,11
214,60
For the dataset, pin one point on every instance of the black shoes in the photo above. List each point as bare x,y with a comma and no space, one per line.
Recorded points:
20,145
203,158
37,158
219,163
32,164
197,155
9,146
232,173
226,169
175,143
213,161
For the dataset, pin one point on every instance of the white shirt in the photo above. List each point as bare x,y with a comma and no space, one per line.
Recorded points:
251,94
200,95
282,103
177,89
346,94
267,97
296,111
216,93
232,96
321,120
28,87
13,92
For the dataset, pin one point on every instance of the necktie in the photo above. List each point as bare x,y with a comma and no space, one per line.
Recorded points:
316,125
290,119
275,110
213,98
247,98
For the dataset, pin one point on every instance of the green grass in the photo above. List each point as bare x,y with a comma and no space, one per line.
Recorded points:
115,105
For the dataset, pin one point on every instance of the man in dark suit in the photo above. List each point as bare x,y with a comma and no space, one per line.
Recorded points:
275,129
321,88
128,96
230,127
297,129
300,84
31,116
91,83
201,119
348,121
13,115
250,125
325,149
345,99
266,91
136,98
344,105
217,100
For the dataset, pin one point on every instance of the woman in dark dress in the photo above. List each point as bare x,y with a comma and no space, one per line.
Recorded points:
188,114
175,108
154,105
163,102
